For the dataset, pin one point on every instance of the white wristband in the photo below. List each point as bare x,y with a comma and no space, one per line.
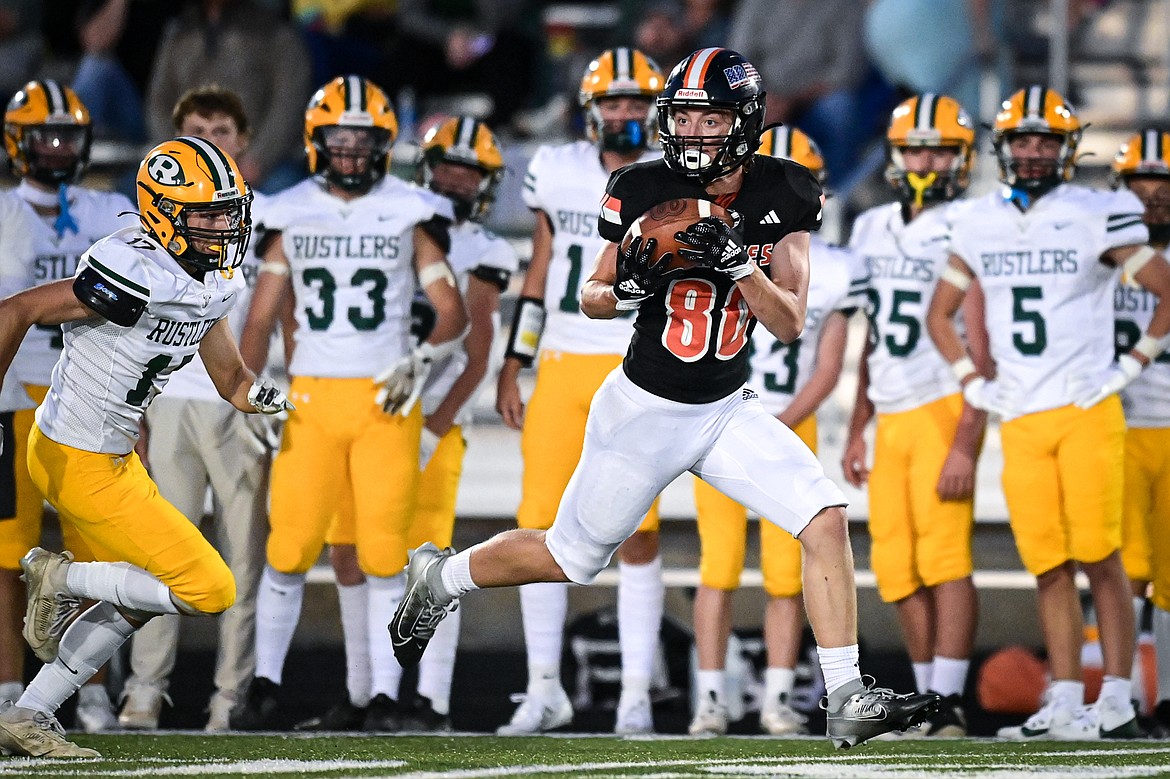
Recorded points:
275,268
962,368
1149,347
956,278
1136,261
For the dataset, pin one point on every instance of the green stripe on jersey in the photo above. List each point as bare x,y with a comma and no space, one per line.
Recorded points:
120,279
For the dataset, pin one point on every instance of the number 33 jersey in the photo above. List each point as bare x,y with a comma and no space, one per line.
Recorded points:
690,336
108,374
566,183
1049,307
352,268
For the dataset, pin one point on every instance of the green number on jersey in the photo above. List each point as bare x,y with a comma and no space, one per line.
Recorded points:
1035,345
569,302
376,293
325,291
1126,333
322,280
898,316
791,356
138,395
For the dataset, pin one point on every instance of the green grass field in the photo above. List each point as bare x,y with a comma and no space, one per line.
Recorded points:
475,757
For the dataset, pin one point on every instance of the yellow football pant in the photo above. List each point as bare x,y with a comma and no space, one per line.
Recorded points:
22,531
723,538
554,433
1063,478
919,540
115,508
1145,528
434,514
340,449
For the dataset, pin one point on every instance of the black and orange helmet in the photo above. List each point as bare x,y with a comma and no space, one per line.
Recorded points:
934,121
1037,109
464,140
47,133
621,72
350,118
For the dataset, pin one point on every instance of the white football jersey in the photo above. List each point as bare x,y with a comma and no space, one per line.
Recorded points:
193,382
904,262
471,247
352,268
1049,295
779,370
1147,399
13,233
567,183
39,254
108,374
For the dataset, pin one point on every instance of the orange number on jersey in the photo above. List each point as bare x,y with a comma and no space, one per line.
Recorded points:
689,320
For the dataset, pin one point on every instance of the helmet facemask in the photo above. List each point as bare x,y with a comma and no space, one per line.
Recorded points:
206,248
352,158
474,207
930,187
1054,171
55,154
1153,190
621,136
711,158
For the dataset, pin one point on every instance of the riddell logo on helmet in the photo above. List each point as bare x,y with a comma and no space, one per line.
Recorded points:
691,94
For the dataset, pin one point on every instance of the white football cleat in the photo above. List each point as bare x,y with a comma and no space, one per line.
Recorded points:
780,719
95,712
710,718
538,713
635,716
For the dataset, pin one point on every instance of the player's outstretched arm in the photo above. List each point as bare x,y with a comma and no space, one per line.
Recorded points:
780,303
273,287
230,375
49,304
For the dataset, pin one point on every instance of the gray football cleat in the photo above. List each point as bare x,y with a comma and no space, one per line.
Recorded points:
50,607
423,605
869,711
36,734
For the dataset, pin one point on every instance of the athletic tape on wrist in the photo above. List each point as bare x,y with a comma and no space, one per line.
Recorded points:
527,327
1150,347
962,368
275,268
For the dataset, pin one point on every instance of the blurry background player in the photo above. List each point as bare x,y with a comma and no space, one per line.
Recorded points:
1143,167
48,223
921,487
196,441
563,186
346,244
793,380
461,161
143,302
1047,255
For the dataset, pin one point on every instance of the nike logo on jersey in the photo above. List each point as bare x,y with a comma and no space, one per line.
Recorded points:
1062,225
227,297
770,218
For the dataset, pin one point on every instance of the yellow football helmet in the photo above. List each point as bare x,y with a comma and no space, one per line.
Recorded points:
1036,109
47,133
789,143
621,72
1146,153
934,121
349,128
186,177
464,140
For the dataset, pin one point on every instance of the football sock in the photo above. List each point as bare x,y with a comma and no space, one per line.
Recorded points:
1162,651
278,609
385,595
778,685
839,665
86,646
712,683
120,583
438,664
355,628
456,575
1115,687
1066,693
543,607
640,604
923,675
950,676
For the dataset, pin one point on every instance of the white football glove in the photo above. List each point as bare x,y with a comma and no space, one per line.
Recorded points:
267,398
1118,377
426,447
985,396
402,382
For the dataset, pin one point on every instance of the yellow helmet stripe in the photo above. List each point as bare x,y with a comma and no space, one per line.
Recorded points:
927,111
217,162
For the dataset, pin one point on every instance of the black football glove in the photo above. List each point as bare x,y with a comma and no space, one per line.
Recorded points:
636,278
713,243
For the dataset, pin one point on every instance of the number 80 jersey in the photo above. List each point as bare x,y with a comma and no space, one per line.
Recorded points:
352,268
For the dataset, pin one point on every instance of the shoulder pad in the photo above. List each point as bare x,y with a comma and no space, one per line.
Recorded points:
438,228
112,300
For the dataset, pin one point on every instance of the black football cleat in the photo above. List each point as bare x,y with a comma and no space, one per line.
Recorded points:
260,708
382,715
949,720
418,716
422,607
342,716
869,711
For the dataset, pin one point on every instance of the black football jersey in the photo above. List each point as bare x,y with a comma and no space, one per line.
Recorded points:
690,337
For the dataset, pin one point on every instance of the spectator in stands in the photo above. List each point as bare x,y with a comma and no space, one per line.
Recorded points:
452,48
343,36
669,30
251,51
118,47
20,44
811,77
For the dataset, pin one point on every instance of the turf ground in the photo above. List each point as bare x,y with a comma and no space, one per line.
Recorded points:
485,757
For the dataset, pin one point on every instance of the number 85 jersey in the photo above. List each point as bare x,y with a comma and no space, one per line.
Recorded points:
352,268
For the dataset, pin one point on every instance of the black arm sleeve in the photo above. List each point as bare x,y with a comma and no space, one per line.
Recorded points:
111,302
497,277
437,228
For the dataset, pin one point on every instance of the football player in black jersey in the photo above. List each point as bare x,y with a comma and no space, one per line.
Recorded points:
678,403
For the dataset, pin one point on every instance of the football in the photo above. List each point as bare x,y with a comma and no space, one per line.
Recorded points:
665,219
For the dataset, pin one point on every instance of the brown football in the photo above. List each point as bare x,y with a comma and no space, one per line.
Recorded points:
665,219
